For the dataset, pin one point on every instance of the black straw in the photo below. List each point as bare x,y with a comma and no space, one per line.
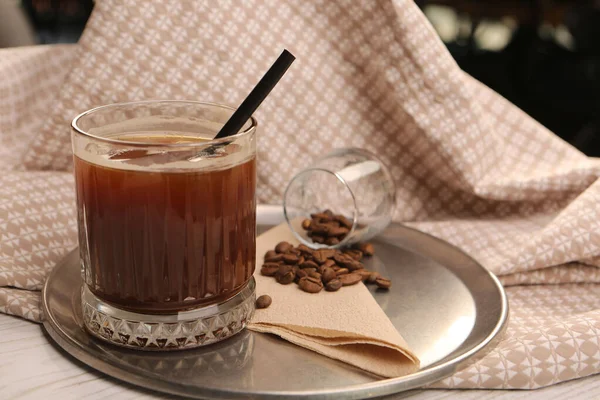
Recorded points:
257,95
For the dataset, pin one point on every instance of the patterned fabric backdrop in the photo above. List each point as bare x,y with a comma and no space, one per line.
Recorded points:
469,166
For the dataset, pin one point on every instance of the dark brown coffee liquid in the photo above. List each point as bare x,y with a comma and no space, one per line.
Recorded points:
163,241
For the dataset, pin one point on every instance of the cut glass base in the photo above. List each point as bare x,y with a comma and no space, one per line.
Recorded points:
183,330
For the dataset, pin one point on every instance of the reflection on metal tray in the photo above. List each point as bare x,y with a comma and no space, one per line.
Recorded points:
448,308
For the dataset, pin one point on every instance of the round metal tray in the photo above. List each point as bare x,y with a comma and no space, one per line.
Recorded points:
449,309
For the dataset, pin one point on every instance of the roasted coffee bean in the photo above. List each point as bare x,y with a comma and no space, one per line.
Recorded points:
345,222
320,229
322,216
350,279
306,224
283,247
365,274
354,265
310,284
328,274
319,256
333,285
315,275
274,258
329,263
332,241
269,269
309,264
290,259
301,273
336,268
263,301
286,278
284,269
269,254
343,260
328,253
305,250
318,239
367,249
301,260
309,270
337,232
328,212
355,254
295,251
373,277
342,271
383,283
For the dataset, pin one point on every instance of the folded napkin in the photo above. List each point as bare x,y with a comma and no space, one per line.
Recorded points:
469,167
347,325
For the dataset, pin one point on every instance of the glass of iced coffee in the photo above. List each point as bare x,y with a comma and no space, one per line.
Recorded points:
167,223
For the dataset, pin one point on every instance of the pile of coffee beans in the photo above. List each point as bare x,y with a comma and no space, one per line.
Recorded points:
315,270
327,228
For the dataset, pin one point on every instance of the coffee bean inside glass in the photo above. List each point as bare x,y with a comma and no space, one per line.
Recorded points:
167,223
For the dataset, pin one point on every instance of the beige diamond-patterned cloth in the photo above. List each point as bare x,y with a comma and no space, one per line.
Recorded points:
470,167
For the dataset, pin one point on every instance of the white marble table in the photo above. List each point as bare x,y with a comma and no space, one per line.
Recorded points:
32,367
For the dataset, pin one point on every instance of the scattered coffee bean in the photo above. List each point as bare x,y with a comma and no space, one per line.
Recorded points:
286,278
365,274
383,283
326,268
310,284
309,264
283,247
304,249
284,269
342,259
373,277
306,224
315,275
263,301
333,285
269,254
328,274
355,254
350,279
319,257
301,273
291,259
354,265
274,258
269,269
367,249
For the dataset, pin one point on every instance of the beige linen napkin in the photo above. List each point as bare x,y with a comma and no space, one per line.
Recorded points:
469,167
347,325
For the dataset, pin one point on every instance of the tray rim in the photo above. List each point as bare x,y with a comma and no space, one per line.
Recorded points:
271,215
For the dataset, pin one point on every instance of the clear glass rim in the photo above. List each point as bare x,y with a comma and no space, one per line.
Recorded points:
354,216
383,166
225,140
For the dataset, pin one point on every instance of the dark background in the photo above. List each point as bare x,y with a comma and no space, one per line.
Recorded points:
542,55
